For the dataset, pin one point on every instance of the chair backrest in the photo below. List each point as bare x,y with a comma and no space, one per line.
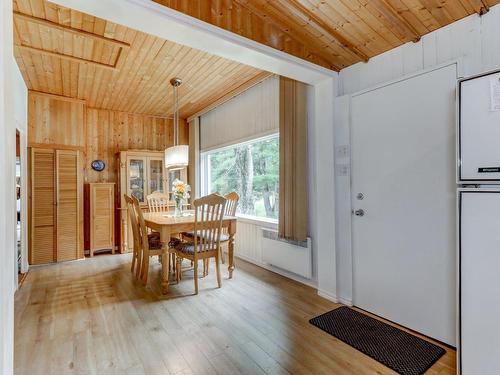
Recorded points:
133,221
158,202
208,215
142,225
232,203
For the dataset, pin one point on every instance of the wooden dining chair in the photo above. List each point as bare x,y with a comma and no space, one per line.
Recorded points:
137,249
159,202
232,200
231,205
208,215
151,246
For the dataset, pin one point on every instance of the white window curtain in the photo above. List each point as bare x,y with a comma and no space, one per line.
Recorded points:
252,114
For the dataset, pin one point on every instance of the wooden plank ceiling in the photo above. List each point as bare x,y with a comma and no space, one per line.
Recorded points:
65,52
331,33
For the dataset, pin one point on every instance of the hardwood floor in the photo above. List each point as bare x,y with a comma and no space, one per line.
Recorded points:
92,317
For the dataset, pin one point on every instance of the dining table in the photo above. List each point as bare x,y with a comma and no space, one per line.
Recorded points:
168,224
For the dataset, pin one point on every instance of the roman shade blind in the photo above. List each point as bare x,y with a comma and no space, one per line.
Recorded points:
275,105
252,114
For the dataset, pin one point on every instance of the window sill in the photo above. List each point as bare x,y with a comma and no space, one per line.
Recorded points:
261,221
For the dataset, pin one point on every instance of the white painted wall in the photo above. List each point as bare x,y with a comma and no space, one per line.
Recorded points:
343,199
322,200
10,88
6,194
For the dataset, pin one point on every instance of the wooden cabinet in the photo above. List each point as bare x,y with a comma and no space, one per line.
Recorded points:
142,173
56,211
100,217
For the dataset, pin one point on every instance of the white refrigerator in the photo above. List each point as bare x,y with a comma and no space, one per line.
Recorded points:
478,177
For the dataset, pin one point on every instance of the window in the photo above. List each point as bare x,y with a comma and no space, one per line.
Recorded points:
251,169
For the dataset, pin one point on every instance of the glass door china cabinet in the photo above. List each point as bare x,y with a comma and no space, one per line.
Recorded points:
142,173
156,173
136,177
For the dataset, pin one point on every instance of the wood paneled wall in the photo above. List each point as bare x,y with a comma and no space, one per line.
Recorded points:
55,122
68,124
109,132
63,123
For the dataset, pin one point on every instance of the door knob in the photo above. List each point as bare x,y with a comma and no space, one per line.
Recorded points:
359,212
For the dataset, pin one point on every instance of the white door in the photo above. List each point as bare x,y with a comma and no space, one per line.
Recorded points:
403,164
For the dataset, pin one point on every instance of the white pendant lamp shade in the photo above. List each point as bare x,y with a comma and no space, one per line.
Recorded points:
176,157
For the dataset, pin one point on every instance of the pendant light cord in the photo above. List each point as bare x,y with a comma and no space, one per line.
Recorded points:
176,82
176,118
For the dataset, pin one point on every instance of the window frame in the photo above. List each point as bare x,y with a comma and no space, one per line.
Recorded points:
205,173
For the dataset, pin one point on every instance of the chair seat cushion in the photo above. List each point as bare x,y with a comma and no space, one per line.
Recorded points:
188,247
154,236
223,237
155,243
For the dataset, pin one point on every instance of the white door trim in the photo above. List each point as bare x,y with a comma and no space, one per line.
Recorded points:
457,62
24,201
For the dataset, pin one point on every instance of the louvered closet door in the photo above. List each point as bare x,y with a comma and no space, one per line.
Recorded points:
42,249
68,211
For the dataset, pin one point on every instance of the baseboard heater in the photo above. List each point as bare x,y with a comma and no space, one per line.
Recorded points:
291,256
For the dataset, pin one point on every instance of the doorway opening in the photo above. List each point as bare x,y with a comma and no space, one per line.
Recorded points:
18,213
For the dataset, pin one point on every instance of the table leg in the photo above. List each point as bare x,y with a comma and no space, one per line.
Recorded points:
124,233
230,248
165,260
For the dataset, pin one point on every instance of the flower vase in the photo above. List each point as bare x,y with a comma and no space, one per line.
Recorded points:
178,208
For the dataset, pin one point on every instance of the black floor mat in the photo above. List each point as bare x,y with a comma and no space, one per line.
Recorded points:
394,348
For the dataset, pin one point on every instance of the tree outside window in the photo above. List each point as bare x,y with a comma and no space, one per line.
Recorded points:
252,170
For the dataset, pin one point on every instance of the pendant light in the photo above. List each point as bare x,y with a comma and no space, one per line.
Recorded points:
176,157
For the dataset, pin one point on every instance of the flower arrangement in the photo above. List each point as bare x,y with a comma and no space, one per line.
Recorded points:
180,192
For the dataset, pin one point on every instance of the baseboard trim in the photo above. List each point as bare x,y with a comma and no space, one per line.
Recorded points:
328,296
345,301
334,298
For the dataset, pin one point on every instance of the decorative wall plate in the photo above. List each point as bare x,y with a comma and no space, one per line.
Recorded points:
98,165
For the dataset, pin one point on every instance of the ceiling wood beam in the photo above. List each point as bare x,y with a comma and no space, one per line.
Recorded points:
327,28
66,57
58,97
414,34
69,29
